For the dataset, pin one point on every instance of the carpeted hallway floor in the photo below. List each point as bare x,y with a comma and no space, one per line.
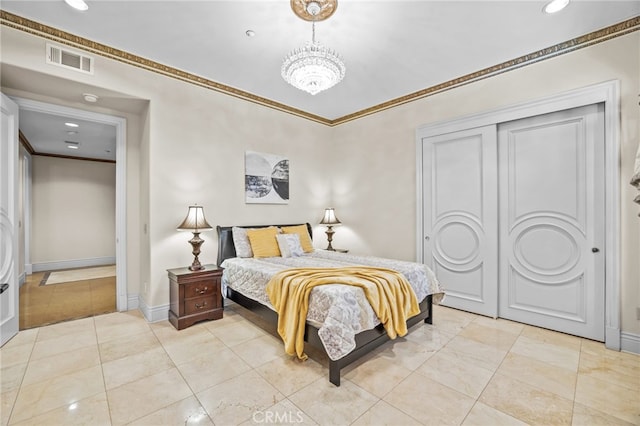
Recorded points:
48,304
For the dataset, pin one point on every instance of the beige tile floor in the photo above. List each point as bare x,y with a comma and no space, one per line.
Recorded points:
465,369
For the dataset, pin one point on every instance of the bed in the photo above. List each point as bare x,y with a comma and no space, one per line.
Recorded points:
340,323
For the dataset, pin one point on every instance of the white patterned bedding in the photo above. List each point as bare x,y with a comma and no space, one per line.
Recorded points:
338,311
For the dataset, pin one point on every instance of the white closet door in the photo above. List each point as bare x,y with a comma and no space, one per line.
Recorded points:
460,216
552,221
10,289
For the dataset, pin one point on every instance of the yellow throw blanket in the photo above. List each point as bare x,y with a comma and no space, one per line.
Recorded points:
389,293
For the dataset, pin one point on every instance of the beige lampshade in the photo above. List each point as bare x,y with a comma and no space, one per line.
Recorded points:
195,220
330,217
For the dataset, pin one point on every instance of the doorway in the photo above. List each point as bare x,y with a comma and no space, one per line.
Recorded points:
119,124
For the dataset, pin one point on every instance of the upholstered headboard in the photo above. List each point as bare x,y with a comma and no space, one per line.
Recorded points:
227,249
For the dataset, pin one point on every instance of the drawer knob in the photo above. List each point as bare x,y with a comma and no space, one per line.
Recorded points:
203,291
201,306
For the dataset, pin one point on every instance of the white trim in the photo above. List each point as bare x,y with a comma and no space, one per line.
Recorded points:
22,279
133,302
630,342
121,181
71,264
607,92
26,208
153,313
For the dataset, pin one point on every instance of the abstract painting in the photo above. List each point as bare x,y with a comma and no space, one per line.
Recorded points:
266,178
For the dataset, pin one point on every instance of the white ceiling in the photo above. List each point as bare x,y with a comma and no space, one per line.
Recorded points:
391,48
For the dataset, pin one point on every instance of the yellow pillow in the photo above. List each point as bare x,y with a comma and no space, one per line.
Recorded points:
263,242
303,232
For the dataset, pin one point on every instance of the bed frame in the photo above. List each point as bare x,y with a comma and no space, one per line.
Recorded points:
366,340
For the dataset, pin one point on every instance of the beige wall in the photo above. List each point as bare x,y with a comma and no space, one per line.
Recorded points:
374,186
190,146
73,209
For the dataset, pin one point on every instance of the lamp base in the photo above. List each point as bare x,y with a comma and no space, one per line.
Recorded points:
196,242
330,233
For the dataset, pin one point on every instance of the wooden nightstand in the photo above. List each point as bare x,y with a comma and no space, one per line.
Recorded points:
194,295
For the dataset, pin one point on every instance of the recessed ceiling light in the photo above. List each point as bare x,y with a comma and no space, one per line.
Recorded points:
69,124
88,97
77,4
72,146
250,33
555,6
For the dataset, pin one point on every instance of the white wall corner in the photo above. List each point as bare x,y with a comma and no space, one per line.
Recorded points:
153,313
630,342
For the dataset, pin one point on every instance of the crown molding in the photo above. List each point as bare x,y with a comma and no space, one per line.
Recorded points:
63,37
607,33
25,142
50,33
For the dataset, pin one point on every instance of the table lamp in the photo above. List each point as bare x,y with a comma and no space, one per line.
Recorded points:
330,220
195,222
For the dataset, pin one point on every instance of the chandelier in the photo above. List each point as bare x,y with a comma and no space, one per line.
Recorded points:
313,67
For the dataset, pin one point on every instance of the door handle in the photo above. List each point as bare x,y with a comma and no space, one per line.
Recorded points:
595,249
426,238
4,287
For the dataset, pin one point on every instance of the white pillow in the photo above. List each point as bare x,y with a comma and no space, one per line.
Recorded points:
241,242
289,245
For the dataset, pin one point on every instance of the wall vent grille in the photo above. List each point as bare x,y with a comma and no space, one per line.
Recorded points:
69,59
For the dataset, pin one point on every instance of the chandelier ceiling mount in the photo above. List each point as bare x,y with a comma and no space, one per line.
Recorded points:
314,10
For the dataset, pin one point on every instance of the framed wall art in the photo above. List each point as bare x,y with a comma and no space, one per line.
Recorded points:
266,178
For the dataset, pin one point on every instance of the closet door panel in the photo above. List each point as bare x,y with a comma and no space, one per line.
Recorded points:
552,221
460,216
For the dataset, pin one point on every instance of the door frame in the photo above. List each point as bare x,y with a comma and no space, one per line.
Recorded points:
608,93
10,325
120,125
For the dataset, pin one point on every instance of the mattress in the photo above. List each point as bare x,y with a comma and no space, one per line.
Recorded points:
338,311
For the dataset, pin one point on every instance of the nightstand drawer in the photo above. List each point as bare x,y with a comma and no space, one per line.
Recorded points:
200,304
199,289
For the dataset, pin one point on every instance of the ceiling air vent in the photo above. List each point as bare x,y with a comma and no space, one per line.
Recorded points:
67,58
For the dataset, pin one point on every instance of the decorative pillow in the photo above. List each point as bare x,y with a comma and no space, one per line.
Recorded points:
263,242
289,245
241,242
303,233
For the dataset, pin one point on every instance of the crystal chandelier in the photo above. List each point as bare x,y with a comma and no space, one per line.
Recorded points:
313,67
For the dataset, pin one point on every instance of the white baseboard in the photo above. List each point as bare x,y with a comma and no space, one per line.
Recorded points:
28,268
22,278
71,264
133,302
153,313
630,342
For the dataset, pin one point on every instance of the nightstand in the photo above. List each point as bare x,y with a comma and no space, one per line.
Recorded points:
194,295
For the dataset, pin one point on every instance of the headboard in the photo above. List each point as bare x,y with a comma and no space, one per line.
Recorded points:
227,249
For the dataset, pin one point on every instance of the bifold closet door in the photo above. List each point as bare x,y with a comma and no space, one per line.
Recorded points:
552,221
460,216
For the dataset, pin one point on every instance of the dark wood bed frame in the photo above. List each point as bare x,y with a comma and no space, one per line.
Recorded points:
366,340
